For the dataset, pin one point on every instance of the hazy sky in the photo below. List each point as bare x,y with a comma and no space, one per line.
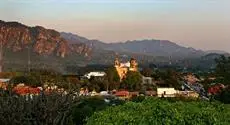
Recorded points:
203,24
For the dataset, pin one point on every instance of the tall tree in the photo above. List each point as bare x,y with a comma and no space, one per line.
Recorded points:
132,81
223,68
171,78
113,79
147,72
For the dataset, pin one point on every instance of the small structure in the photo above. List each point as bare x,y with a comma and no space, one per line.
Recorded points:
191,78
94,74
83,92
4,83
215,88
188,94
122,94
147,80
166,92
94,93
150,93
21,89
133,94
104,93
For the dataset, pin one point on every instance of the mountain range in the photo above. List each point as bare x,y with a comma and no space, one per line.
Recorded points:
16,36
55,49
151,47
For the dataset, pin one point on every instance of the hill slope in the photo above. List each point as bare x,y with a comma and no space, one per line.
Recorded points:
16,36
148,47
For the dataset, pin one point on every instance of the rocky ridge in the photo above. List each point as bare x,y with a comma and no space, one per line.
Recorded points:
16,36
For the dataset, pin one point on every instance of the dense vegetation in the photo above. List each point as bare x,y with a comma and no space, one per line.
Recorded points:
56,108
52,109
69,109
163,112
223,69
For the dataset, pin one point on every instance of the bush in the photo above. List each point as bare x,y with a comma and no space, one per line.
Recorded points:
41,110
153,111
138,98
86,108
52,109
224,95
27,80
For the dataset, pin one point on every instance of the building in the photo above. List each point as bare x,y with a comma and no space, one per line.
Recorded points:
4,83
191,78
150,93
123,94
123,68
94,74
147,80
215,88
187,94
166,92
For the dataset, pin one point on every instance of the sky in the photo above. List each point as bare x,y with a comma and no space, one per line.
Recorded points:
202,24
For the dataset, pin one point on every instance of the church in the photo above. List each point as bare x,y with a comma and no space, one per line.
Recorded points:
123,68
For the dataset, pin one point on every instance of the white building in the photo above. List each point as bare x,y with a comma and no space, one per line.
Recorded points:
166,92
147,80
94,74
4,80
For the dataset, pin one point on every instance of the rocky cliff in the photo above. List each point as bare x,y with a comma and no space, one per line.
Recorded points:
16,36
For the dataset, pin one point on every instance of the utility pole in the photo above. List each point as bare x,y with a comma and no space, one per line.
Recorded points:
1,56
28,63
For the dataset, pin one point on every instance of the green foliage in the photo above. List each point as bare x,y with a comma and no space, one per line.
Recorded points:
39,110
112,75
147,72
132,81
52,109
113,78
98,84
153,111
223,68
41,77
86,108
74,84
138,98
171,78
27,80
224,95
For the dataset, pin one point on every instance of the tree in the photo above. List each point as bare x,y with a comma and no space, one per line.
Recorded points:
224,95
86,108
171,78
112,75
27,80
223,68
132,81
152,111
74,83
147,72
113,79
98,84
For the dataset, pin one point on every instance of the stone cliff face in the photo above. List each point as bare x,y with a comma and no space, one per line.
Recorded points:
42,41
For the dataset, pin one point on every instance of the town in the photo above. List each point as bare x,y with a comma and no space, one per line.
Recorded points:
123,80
117,86
114,62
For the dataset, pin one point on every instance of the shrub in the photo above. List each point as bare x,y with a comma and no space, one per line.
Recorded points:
153,111
224,95
39,110
137,98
